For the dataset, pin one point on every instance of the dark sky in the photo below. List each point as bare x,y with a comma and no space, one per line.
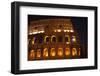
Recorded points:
79,23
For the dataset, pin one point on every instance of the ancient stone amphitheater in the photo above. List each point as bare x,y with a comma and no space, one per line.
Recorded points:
50,39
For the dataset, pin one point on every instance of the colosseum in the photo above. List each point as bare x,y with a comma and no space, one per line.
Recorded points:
50,39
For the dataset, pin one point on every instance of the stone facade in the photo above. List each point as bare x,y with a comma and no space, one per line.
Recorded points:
53,39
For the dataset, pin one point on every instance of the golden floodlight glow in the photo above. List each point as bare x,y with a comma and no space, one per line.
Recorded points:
30,33
36,32
55,30
65,30
38,53
32,54
45,38
52,52
60,51
67,42
41,31
74,52
59,30
79,53
53,36
74,38
45,52
67,51
68,30
67,36
71,30
33,41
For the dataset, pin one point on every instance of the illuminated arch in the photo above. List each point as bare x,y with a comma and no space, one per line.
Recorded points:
45,52
67,51
33,40
45,39
38,54
60,51
32,55
74,52
53,37
52,52
67,37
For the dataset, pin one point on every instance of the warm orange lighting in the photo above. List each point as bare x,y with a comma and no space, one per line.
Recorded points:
67,42
67,51
68,37
53,37
38,53
32,54
71,30
45,39
73,38
60,51
33,41
52,52
74,52
55,30
36,32
45,52
79,53
59,30
65,30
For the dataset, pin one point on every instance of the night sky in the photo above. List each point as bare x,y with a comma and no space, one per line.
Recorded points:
79,23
